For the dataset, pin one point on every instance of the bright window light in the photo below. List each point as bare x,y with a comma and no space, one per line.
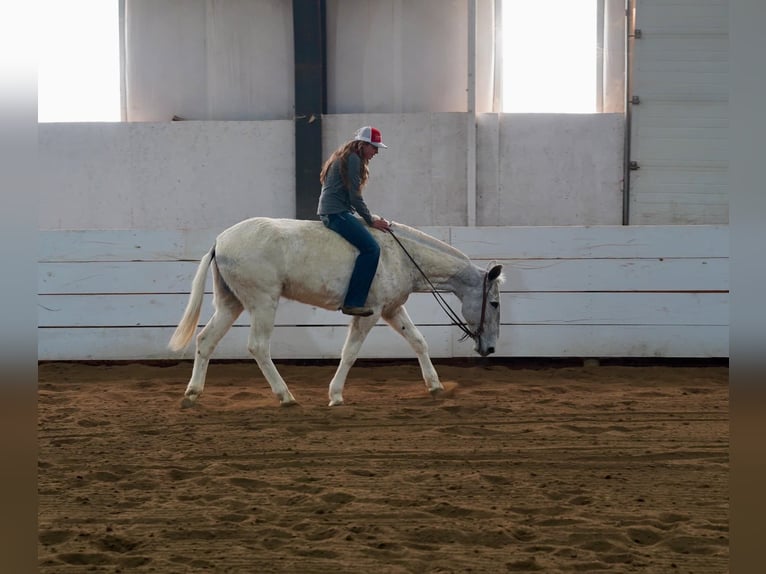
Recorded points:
549,56
78,62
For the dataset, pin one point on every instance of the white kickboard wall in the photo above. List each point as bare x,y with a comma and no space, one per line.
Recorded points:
574,291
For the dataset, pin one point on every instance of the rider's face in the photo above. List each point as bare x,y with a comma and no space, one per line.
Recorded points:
369,151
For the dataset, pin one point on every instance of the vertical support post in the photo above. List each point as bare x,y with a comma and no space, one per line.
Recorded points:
471,105
310,102
600,56
614,39
630,31
123,71
497,64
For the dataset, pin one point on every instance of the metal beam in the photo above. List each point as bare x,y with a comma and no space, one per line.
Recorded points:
471,108
310,102
630,30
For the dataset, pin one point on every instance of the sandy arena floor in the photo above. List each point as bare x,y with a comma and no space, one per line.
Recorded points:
603,469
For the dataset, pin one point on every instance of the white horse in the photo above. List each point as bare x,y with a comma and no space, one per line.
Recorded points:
259,260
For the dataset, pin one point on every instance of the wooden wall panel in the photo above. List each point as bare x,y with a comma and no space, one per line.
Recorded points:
163,310
614,291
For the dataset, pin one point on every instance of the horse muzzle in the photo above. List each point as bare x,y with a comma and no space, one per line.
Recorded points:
484,351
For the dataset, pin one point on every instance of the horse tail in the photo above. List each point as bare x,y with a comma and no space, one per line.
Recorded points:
188,325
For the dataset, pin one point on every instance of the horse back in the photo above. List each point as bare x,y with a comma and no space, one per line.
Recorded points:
296,259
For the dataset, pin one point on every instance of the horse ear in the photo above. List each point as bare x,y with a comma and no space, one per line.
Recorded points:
495,272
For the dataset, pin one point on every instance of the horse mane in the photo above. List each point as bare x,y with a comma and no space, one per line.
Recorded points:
409,234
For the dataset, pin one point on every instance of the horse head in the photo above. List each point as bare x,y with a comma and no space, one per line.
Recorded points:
481,310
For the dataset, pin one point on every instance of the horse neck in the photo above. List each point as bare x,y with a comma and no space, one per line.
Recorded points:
446,268
456,280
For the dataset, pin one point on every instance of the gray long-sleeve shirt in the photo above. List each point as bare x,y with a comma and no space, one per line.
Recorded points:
337,198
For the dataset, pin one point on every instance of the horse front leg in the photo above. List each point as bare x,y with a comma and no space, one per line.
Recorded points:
357,333
400,322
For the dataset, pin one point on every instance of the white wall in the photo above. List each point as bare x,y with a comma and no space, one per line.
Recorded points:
532,170
209,60
167,175
421,178
549,169
388,60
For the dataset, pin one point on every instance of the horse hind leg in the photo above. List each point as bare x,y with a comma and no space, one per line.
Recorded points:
400,322
259,345
227,309
357,332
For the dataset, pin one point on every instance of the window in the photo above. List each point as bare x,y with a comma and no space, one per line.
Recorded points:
78,70
554,58
550,56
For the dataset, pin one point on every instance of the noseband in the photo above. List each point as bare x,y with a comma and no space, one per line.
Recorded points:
456,320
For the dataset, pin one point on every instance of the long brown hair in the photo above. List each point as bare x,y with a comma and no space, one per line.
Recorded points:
342,153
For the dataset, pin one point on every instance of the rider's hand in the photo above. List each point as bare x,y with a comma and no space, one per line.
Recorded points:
380,223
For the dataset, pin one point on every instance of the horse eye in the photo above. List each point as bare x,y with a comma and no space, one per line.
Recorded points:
495,304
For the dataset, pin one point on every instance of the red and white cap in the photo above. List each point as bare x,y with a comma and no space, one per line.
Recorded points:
370,135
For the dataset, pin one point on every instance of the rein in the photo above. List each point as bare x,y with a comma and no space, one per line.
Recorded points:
443,303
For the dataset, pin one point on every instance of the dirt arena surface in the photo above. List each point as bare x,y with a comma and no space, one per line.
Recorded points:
519,469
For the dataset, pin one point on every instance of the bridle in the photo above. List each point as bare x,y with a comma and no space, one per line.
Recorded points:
456,320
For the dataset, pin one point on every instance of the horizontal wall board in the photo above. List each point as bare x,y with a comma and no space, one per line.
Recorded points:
567,242
522,275
613,341
528,308
326,342
575,242
142,244
663,274
89,277
286,343
125,245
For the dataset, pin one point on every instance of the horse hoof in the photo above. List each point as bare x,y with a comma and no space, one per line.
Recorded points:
336,403
444,392
291,402
187,403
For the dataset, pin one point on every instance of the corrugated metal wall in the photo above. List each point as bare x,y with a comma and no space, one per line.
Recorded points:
679,125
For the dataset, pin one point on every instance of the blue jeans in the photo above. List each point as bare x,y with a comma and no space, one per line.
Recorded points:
355,231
